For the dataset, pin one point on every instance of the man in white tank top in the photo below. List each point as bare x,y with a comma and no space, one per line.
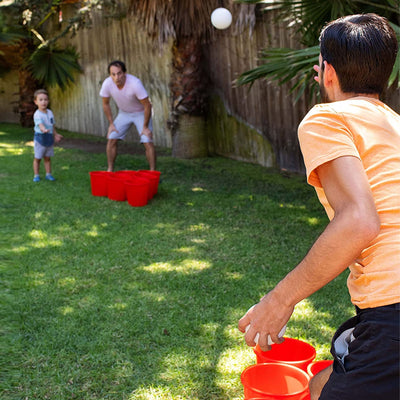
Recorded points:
134,107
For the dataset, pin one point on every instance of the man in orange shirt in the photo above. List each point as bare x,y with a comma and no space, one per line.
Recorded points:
351,149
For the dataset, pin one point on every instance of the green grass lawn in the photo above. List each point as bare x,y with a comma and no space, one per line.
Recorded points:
101,300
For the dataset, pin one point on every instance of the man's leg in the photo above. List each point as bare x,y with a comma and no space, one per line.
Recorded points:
111,153
151,155
318,382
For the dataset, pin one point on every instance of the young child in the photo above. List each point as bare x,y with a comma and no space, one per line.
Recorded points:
45,135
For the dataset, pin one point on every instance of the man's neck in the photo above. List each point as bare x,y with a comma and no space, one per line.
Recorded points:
338,95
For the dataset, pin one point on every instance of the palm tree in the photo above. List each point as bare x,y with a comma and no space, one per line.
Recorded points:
187,22
40,62
295,65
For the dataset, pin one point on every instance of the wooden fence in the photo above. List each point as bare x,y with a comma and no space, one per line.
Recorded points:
266,115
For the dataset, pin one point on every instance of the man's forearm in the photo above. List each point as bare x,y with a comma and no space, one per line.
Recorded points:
108,113
147,115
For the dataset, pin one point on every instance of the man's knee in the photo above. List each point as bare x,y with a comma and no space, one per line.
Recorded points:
112,143
149,146
318,382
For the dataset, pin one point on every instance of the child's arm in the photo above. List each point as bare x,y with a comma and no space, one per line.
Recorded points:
57,136
43,128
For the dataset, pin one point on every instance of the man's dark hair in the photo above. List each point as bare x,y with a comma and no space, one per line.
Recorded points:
117,63
362,48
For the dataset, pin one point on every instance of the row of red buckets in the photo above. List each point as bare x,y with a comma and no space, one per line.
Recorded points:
283,372
136,187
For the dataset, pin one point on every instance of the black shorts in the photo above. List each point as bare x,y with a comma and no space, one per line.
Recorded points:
369,369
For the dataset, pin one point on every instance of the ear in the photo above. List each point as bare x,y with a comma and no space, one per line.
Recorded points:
330,77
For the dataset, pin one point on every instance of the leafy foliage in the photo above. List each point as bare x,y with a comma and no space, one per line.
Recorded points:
309,16
33,24
54,66
275,66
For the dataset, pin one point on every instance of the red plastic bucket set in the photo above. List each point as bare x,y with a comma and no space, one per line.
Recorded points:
283,372
136,187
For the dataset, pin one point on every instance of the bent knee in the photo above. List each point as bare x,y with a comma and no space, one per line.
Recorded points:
318,382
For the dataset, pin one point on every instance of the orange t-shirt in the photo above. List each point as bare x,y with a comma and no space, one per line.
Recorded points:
367,129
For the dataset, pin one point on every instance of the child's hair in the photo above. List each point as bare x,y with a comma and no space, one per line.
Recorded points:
40,91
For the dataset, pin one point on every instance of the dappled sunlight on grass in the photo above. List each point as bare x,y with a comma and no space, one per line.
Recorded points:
10,149
20,249
93,232
229,368
199,227
67,281
234,361
234,276
185,250
198,241
41,239
313,221
153,393
185,266
66,310
175,366
308,322
118,306
35,278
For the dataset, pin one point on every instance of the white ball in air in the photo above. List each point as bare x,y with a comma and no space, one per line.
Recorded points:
221,18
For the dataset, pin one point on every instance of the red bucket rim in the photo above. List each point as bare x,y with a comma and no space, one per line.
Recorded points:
269,354
310,366
292,368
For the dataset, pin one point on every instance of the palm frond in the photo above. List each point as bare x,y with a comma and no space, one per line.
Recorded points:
285,65
395,75
54,66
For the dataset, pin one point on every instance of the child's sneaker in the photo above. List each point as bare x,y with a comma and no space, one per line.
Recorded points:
50,177
36,178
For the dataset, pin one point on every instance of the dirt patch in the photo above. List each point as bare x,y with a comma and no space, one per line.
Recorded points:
93,146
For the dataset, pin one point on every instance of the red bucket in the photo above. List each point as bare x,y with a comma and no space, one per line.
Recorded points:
317,366
275,381
154,173
137,191
125,174
153,177
98,182
116,188
292,351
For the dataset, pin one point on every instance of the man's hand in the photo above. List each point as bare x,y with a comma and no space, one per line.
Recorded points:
111,128
147,132
267,317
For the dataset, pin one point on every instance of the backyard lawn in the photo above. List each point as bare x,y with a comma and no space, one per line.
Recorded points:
101,300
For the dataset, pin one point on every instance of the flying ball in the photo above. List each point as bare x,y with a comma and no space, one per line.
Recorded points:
221,18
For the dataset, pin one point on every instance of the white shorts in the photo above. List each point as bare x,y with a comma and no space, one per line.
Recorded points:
42,151
124,120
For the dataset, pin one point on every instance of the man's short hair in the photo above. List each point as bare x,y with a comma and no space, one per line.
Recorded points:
362,48
117,63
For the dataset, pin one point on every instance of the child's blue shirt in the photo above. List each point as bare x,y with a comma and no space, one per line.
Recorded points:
47,119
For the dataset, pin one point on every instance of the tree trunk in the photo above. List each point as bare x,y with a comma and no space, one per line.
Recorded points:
27,87
188,89
27,84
